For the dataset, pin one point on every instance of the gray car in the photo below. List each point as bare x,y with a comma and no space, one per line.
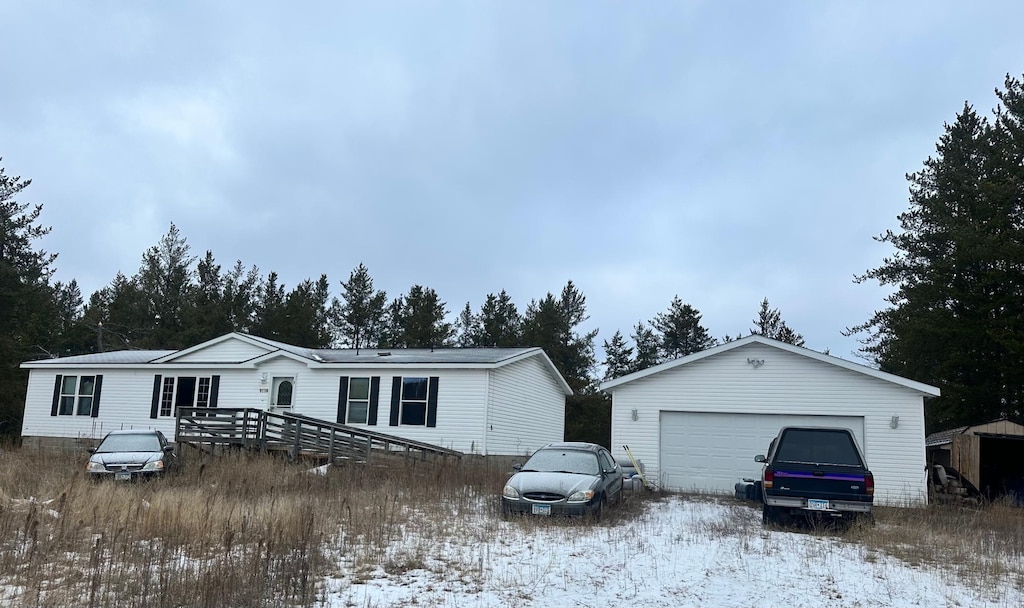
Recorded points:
564,479
128,455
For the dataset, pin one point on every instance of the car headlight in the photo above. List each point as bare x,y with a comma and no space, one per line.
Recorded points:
581,496
155,465
95,467
510,492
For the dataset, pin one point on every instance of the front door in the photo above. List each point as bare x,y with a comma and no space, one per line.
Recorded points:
283,393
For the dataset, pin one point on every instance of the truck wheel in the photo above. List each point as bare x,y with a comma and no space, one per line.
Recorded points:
768,516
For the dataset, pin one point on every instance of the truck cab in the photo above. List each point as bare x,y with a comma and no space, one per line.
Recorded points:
815,470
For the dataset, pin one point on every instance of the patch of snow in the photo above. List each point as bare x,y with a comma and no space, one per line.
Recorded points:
679,553
320,470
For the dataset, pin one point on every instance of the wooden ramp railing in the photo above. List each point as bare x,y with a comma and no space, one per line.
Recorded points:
257,429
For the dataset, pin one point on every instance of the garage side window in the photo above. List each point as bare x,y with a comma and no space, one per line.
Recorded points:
76,396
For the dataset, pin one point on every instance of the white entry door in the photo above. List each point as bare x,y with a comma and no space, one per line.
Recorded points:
282,393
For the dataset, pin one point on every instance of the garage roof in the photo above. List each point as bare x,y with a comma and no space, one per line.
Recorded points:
920,387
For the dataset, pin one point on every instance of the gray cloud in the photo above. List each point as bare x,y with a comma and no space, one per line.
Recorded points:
720,153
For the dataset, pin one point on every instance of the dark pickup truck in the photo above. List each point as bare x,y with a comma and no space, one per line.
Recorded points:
814,470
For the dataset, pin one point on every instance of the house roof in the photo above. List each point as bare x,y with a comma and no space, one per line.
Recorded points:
319,357
114,357
920,387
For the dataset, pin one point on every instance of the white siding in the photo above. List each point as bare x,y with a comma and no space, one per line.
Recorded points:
125,401
527,408
228,351
786,383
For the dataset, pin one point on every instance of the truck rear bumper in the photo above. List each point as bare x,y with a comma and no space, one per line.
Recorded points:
842,506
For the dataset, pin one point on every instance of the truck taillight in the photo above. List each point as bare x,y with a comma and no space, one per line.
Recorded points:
869,484
769,479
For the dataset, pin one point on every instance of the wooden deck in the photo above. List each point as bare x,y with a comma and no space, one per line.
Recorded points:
298,435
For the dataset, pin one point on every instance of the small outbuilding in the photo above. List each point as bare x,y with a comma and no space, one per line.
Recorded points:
697,422
488,401
990,456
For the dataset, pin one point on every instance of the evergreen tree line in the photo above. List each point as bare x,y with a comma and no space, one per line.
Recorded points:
678,332
176,300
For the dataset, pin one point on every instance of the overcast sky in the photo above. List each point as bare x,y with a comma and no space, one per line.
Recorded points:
719,151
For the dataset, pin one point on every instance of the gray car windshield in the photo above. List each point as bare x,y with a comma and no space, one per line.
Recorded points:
130,443
563,461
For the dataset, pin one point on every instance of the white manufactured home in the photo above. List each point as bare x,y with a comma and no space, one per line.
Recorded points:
697,422
488,401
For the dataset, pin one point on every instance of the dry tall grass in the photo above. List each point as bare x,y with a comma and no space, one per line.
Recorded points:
238,530
251,531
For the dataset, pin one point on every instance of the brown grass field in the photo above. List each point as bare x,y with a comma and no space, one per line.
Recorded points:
246,530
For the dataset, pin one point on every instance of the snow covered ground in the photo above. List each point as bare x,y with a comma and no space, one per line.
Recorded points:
679,552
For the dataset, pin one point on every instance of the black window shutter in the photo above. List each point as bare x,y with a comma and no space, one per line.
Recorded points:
214,390
371,416
432,401
396,398
56,395
342,399
96,396
154,409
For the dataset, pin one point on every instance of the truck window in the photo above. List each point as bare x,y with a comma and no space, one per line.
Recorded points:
818,446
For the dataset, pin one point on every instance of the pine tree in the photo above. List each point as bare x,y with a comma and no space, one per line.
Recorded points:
618,357
417,320
206,314
270,320
241,296
499,322
552,323
305,321
165,279
956,316
769,324
362,310
466,327
29,321
681,331
647,347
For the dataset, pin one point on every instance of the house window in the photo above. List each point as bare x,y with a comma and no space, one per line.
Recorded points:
184,391
358,400
414,401
76,395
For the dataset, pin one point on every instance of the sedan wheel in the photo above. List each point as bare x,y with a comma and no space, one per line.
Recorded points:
598,509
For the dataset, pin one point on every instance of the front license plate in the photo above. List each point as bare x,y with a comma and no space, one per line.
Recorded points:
122,476
817,505
542,509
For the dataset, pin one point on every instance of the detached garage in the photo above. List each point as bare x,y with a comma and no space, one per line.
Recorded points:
697,422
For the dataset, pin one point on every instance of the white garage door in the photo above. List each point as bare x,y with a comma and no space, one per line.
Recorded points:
706,451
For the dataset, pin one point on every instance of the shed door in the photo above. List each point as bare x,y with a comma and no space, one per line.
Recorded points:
712,451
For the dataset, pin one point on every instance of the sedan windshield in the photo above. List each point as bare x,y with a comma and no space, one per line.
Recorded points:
563,461
130,443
